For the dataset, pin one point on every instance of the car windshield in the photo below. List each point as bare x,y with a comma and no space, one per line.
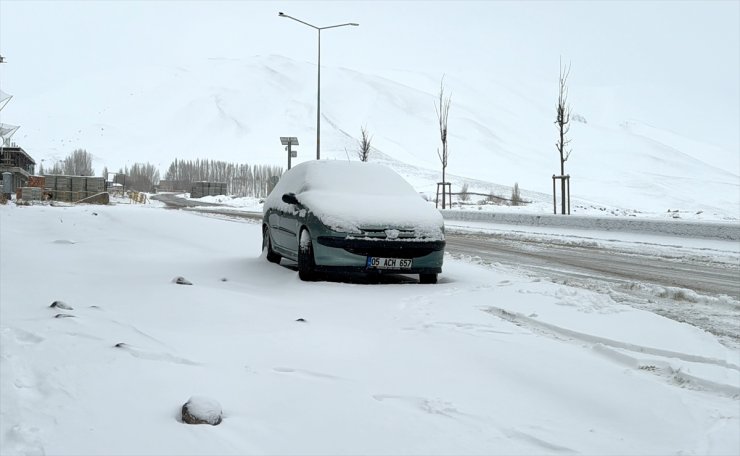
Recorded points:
355,178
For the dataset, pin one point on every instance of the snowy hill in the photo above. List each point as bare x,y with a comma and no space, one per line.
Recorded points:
500,132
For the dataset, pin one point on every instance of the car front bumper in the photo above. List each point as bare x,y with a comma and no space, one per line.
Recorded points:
350,254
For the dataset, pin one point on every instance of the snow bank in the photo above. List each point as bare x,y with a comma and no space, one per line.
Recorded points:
485,362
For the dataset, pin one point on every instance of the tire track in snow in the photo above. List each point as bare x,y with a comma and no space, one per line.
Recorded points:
611,348
448,410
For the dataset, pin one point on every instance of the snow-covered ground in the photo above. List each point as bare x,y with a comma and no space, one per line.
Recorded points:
248,203
488,361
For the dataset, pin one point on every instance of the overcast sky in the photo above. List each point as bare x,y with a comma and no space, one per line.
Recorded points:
689,45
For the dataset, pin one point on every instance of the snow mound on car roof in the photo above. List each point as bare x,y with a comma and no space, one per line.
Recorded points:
347,196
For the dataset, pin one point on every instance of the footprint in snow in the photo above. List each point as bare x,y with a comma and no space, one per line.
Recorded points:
429,406
305,373
23,337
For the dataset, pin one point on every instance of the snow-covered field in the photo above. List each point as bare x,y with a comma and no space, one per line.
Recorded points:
488,361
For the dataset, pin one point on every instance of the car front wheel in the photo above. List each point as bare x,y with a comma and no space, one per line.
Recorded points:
272,257
306,264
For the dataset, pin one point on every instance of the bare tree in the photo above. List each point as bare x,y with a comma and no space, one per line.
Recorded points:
142,177
240,179
464,193
443,109
78,163
364,143
516,197
563,122
56,169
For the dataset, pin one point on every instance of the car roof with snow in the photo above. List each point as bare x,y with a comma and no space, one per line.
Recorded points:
346,195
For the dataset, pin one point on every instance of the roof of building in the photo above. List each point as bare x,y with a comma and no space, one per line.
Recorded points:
18,150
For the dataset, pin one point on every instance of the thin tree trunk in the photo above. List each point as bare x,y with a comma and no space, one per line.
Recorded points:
444,188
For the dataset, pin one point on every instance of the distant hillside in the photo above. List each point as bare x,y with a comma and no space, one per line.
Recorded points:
500,132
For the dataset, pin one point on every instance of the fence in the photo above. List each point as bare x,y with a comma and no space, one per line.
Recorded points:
201,189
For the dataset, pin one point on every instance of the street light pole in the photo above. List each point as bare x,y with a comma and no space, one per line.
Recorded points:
318,91
318,103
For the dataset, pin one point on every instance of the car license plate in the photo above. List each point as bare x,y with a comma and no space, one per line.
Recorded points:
388,263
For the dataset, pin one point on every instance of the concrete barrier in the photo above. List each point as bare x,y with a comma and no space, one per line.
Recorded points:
710,230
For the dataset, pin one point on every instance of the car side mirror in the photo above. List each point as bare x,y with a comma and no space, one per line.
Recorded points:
290,198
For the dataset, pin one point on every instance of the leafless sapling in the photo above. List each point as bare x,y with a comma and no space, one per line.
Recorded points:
563,123
443,109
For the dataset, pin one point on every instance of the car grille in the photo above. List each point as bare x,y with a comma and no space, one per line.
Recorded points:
382,247
374,233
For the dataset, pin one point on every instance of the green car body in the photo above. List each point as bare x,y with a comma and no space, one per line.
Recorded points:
302,226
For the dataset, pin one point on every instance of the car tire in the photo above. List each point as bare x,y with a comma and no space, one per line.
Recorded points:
428,278
306,263
272,257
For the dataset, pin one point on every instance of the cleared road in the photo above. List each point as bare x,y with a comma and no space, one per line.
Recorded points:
703,276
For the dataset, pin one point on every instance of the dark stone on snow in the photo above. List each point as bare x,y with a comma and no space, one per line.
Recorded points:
182,281
202,411
61,305
121,345
63,316
301,320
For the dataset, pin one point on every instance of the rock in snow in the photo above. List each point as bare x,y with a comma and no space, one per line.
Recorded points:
182,281
61,305
201,410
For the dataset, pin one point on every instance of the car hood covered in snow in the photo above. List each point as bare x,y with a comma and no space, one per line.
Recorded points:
350,196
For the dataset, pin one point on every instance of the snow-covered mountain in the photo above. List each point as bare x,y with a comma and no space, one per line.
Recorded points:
500,131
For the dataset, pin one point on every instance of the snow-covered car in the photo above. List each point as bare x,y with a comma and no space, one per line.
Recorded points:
352,216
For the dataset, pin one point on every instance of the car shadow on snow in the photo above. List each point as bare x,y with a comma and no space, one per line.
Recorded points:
358,278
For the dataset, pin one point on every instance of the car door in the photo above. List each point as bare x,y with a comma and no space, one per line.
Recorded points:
280,237
290,223
273,220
